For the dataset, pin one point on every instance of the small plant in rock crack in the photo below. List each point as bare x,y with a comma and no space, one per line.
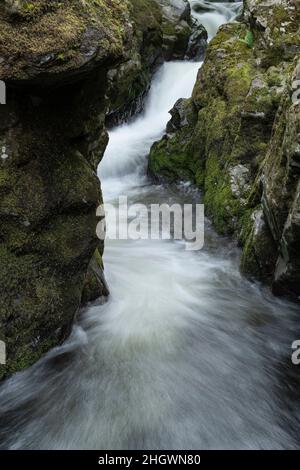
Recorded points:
248,39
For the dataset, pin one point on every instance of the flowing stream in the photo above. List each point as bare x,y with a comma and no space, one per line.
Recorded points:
186,354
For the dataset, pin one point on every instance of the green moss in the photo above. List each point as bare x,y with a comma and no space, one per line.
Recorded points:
245,225
36,307
169,160
98,258
28,6
174,158
242,98
203,153
259,251
275,76
227,68
130,81
61,57
176,38
249,263
145,13
49,29
133,80
238,81
218,199
279,15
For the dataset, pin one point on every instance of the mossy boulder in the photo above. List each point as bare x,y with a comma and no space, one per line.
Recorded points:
42,40
173,151
54,59
281,186
49,196
222,104
259,248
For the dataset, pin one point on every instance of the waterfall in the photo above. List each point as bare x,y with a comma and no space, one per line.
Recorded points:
179,356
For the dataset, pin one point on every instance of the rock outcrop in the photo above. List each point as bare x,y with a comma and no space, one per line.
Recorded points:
183,38
129,81
54,60
237,138
66,66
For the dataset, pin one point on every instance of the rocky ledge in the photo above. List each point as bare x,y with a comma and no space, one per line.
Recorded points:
238,139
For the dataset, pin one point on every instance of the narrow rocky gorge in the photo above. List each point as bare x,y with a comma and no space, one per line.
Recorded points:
70,69
237,138
173,348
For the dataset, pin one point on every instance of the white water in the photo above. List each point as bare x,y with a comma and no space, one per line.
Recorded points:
124,164
186,353
213,14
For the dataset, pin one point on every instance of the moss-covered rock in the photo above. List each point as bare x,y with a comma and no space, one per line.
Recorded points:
49,196
242,148
281,186
174,151
259,249
276,29
41,40
129,81
222,103
54,59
